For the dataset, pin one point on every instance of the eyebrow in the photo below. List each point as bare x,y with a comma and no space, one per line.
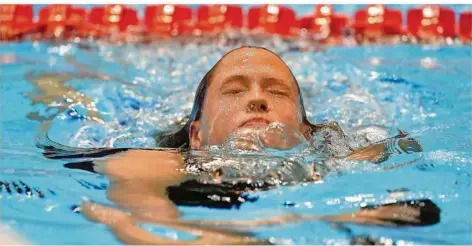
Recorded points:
271,81
234,78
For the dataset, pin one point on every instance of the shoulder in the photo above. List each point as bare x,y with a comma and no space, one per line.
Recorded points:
328,126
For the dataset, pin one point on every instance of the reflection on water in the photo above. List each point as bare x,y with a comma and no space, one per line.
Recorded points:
383,87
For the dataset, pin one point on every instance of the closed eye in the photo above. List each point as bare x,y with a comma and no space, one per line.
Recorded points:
277,92
233,91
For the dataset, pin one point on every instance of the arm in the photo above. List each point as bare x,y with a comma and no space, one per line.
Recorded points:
138,179
283,138
138,182
380,152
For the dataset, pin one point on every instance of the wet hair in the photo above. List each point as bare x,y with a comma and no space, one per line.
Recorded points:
180,138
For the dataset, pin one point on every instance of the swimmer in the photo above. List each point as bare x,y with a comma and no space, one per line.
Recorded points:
249,89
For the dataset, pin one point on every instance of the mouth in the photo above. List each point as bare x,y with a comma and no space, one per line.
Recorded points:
255,123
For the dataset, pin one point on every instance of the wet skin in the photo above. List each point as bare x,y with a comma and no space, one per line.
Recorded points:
141,192
249,88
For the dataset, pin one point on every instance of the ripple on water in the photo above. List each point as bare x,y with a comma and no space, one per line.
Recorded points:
352,86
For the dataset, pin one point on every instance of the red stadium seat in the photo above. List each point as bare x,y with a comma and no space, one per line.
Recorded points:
414,18
324,22
465,26
53,13
24,15
215,18
54,18
305,22
393,22
339,23
15,20
372,22
253,18
431,22
273,19
321,23
234,16
58,19
120,16
168,20
77,16
377,20
95,16
112,18
447,21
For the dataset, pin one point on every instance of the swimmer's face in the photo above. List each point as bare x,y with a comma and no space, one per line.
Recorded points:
249,88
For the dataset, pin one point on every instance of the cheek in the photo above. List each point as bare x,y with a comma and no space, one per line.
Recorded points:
228,105
287,112
226,109
220,118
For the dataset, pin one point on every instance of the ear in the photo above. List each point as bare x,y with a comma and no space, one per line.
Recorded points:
195,135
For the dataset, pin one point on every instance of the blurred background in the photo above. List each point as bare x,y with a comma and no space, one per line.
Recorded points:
319,22
300,9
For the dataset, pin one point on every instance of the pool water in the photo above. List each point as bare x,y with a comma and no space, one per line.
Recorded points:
423,90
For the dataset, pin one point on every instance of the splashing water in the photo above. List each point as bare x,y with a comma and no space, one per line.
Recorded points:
423,91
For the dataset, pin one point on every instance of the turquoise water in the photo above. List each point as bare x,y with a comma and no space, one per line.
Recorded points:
425,91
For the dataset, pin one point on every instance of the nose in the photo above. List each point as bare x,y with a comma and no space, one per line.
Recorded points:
257,105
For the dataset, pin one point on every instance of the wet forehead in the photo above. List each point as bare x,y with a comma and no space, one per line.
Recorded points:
250,61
